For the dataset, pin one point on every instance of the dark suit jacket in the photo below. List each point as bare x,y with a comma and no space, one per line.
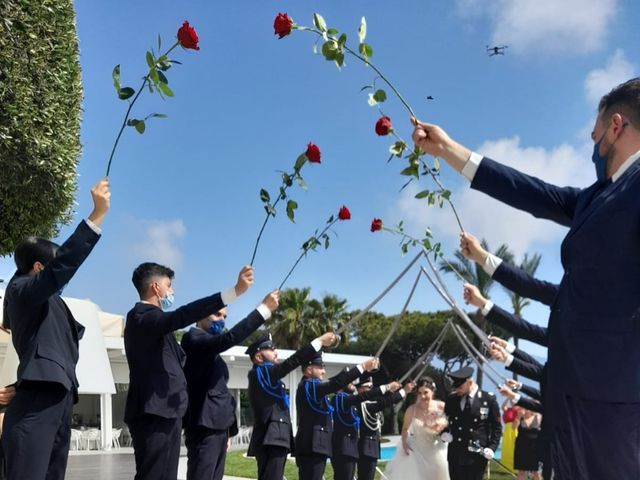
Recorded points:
518,326
531,391
157,384
43,330
346,421
369,443
315,429
534,371
530,404
271,417
482,424
597,308
210,403
524,284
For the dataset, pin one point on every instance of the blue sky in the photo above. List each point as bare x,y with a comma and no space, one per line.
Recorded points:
186,192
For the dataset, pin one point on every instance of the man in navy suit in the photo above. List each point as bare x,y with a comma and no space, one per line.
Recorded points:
211,415
593,385
157,397
37,424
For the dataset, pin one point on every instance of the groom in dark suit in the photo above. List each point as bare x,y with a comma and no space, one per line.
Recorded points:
594,326
37,424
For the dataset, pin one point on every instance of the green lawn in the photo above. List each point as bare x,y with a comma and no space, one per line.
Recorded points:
237,465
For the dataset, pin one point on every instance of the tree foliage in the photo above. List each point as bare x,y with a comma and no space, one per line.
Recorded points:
40,99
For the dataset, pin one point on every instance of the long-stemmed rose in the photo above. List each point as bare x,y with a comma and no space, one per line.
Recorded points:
320,237
155,80
311,155
333,48
407,240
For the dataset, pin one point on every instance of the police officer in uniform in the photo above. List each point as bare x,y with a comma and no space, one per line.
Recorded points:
346,427
272,437
474,427
315,426
371,424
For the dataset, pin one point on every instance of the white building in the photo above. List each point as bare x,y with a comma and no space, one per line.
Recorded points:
103,372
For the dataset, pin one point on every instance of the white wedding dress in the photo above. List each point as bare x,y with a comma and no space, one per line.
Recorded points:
427,459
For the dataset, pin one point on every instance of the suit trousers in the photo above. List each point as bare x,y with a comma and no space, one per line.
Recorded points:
367,467
311,467
271,462
37,431
206,453
596,441
156,446
344,467
473,470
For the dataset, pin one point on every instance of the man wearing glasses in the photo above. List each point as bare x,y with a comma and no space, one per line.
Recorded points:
211,416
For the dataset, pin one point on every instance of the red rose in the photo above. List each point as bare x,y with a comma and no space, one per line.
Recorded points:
282,25
188,37
383,126
509,415
313,153
344,213
376,225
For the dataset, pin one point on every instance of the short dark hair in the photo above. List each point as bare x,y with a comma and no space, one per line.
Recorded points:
623,99
146,272
32,250
426,382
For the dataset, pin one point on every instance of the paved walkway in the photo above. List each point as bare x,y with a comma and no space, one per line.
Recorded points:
113,465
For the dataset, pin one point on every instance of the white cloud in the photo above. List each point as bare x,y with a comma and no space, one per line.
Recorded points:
601,80
545,25
490,219
160,242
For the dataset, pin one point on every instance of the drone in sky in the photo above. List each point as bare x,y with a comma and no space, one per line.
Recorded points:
496,50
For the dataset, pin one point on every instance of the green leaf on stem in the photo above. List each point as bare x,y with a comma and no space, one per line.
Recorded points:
325,237
153,75
411,170
422,194
405,248
426,243
365,50
116,78
432,199
139,125
339,59
342,40
164,88
125,93
157,115
332,31
319,22
330,49
380,96
286,179
150,60
362,30
283,193
330,219
162,77
436,164
264,196
446,194
398,148
300,162
291,207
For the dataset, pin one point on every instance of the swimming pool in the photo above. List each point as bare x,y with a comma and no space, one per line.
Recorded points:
389,451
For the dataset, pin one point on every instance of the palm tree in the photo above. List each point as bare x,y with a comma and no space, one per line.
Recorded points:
473,273
333,315
296,320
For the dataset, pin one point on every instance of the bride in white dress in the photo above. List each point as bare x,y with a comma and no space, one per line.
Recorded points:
422,454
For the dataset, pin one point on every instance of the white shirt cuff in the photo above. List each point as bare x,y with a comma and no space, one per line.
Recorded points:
316,344
264,311
360,369
487,308
516,398
491,264
509,360
383,389
228,296
93,226
510,347
471,167
403,393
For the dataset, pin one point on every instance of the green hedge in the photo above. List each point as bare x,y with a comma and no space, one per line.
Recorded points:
40,103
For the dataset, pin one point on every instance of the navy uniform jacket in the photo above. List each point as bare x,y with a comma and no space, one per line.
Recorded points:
315,429
524,284
210,403
482,425
346,429
271,416
157,384
597,308
369,443
43,330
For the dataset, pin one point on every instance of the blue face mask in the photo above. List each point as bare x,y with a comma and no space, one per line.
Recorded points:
167,301
216,327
